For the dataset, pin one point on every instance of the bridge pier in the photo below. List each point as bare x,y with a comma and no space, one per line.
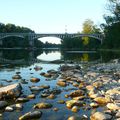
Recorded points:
1,42
1,54
31,41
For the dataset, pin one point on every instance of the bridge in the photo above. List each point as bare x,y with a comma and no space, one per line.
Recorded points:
32,36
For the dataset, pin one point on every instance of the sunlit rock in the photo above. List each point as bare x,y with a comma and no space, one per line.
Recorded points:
100,116
94,105
34,79
102,100
45,86
75,109
10,91
43,105
32,96
71,103
113,106
61,83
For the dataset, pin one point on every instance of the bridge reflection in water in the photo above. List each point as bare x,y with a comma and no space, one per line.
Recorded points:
24,57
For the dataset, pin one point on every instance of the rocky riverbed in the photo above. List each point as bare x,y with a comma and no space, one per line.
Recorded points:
70,92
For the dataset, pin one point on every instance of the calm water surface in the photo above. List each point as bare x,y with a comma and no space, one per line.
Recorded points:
12,61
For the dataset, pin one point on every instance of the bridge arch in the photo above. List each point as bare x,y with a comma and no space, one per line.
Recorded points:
19,36
88,35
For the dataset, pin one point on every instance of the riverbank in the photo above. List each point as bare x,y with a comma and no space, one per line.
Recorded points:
68,92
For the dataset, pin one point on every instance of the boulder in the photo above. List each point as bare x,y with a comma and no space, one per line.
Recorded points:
31,115
100,116
10,91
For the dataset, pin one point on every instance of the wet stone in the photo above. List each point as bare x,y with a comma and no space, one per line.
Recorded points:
76,93
3,104
61,101
34,79
22,99
43,105
16,77
31,115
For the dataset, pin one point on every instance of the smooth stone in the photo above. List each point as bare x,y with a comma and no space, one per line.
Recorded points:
75,109
43,105
21,99
35,80
51,96
16,77
117,114
93,96
45,86
113,91
102,100
90,87
79,98
71,103
36,88
44,95
55,109
42,73
37,68
61,101
113,106
94,105
3,104
31,115
9,109
10,91
47,75
76,93
97,84
66,96
32,96
100,116
62,84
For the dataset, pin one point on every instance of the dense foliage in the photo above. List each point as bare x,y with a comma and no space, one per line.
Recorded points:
112,26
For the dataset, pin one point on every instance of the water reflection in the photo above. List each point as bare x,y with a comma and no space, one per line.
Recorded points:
50,56
29,57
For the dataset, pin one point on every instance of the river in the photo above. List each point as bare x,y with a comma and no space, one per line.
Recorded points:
25,62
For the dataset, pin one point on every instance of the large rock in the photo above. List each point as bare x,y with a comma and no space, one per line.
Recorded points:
113,106
31,115
10,91
100,116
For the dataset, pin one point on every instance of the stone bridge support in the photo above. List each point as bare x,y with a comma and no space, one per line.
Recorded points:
1,42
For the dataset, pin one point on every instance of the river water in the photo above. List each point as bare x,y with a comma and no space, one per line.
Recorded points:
24,62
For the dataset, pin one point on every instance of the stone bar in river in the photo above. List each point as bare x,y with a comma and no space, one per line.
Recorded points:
10,91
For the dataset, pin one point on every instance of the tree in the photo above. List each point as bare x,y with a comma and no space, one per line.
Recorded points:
112,26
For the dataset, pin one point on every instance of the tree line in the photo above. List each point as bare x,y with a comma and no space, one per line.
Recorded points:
20,42
110,31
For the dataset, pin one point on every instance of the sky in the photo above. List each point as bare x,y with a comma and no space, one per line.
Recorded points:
52,16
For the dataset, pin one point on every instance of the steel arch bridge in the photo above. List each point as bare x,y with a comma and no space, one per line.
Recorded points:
32,36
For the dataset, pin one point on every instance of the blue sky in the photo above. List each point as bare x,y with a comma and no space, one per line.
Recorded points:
52,16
